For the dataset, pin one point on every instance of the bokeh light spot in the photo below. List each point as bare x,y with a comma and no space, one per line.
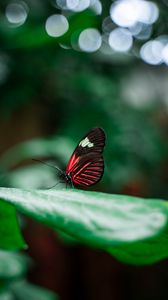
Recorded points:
149,12
72,4
96,6
120,40
16,13
127,13
82,5
151,52
123,13
90,40
141,31
56,25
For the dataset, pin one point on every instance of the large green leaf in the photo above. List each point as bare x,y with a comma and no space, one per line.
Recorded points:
142,252
132,229
10,236
97,219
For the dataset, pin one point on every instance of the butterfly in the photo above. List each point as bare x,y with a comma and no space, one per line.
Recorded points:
86,164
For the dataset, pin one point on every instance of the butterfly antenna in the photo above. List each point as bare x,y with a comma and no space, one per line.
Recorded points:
44,163
49,188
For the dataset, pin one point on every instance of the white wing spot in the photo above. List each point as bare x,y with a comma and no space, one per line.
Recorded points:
86,143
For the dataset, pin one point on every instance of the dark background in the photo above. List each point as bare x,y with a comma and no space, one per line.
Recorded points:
52,90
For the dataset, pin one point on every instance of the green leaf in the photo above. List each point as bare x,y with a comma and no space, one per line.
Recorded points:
95,218
10,236
143,252
13,268
26,291
6,295
12,265
132,229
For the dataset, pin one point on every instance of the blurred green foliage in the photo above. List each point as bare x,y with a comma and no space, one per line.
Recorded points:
75,91
13,269
70,92
9,224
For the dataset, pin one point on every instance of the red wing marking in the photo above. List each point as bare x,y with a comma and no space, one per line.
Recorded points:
72,162
88,170
80,170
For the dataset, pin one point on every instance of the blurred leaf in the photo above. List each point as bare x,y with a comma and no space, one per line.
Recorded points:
58,147
26,291
34,176
6,295
97,219
10,236
26,36
13,268
12,265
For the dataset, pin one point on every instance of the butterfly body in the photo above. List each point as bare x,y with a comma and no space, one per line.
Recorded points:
64,177
86,165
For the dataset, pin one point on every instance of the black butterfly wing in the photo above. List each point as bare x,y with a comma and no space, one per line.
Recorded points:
86,165
93,141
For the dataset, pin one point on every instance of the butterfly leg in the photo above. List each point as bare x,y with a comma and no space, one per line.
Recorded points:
72,185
